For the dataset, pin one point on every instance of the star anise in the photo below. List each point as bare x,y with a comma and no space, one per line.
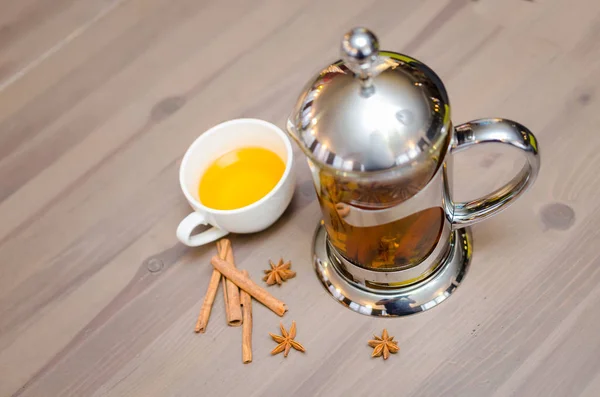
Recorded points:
403,192
383,345
286,340
279,273
372,194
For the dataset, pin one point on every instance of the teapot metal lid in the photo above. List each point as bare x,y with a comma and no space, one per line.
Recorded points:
372,110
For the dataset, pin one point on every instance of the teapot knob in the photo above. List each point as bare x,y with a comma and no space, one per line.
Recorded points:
360,49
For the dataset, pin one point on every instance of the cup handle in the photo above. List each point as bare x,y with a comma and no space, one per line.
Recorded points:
189,223
495,131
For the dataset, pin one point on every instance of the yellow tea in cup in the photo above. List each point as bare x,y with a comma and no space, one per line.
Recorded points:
240,178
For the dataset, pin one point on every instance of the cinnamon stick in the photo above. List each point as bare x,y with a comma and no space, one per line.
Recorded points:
260,294
231,293
246,325
209,298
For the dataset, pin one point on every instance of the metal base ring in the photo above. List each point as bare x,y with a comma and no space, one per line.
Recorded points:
403,301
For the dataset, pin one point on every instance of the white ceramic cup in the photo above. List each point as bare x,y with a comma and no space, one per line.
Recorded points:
215,142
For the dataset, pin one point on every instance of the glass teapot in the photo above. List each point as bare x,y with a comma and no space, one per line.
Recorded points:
376,129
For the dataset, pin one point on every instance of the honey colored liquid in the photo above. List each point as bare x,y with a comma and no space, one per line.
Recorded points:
397,245
240,178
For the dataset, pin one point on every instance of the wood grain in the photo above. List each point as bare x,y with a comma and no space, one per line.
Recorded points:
99,100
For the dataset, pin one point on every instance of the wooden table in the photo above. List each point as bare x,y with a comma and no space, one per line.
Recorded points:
99,100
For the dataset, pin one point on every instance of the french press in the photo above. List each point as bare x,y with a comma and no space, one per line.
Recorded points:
376,129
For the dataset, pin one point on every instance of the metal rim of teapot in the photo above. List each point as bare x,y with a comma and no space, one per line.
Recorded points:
403,301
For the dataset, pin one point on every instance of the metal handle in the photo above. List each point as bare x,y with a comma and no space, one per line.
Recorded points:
495,131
